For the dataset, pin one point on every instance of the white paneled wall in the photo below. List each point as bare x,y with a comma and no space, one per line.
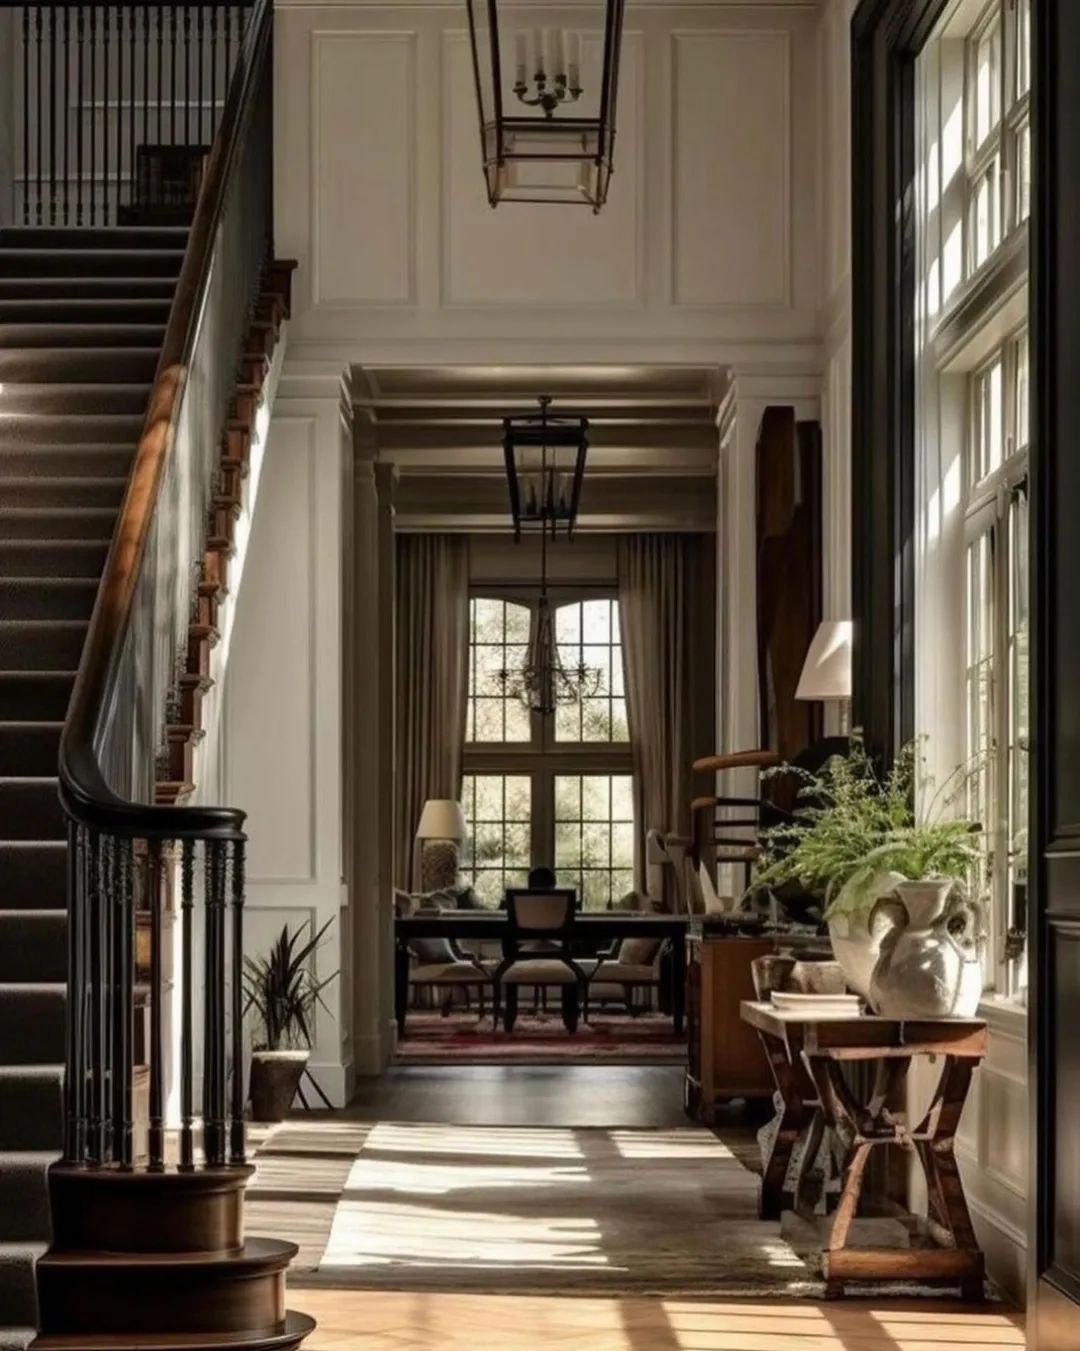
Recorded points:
708,238
283,743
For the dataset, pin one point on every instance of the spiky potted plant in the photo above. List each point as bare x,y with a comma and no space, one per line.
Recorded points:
281,992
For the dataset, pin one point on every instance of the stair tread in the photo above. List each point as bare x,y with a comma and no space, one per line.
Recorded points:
12,1158
297,1325
256,1252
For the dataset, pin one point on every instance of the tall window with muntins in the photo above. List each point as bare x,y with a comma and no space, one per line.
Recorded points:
498,640
555,789
594,836
587,632
498,812
973,191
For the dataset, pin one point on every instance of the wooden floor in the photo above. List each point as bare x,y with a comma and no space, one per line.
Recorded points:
366,1321
524,1095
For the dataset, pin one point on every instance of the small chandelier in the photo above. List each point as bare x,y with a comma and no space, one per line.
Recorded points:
547,103
541,683
545,466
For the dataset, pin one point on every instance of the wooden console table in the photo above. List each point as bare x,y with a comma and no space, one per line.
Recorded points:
798,1047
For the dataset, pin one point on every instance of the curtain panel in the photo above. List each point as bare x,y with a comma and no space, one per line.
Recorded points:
431,673
657,574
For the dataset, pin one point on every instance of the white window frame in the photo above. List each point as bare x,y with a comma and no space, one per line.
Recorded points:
965,319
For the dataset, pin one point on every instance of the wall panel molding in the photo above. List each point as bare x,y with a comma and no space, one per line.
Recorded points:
517,241
364,184
731,272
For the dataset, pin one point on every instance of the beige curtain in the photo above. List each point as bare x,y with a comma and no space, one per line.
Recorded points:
656,576
432,631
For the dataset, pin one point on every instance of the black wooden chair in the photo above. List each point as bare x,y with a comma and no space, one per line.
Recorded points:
546,916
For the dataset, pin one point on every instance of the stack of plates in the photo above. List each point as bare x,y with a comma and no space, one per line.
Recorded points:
817,1005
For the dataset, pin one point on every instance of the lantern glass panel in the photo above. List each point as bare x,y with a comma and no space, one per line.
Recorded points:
547,95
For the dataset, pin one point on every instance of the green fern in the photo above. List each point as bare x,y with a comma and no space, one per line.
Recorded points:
852,823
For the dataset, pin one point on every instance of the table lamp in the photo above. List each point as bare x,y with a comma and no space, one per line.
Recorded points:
442,828
826,672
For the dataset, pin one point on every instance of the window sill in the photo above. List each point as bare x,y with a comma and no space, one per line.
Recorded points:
1006,1016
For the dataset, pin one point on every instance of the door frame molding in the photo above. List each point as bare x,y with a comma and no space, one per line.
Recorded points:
1054,838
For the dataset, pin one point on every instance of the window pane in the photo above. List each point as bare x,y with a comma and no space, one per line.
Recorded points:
498,811
985,215
987,92
587,633
1023,172
980,701
1021,431
498,639
1023,47
594,836
1019,737
989,416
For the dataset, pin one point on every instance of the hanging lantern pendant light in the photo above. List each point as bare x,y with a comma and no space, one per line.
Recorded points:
547,107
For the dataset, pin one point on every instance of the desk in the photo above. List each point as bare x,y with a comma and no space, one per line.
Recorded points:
599,927
798,1046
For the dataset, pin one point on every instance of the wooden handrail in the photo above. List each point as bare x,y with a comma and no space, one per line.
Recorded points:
83,788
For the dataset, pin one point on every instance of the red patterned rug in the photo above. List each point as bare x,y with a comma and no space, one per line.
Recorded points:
539,1038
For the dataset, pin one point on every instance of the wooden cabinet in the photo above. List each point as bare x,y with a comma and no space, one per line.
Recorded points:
725,1059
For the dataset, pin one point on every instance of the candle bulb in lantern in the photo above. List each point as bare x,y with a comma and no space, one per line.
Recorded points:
573,60
538,47
551,63
559,62
521,49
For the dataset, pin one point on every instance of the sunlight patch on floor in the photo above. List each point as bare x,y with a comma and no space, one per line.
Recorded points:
370,1233
440,1179
393,1138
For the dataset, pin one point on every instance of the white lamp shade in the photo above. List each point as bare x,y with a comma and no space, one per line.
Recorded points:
442,819
826,673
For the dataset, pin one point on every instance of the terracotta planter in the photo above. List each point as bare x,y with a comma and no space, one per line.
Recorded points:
275,1077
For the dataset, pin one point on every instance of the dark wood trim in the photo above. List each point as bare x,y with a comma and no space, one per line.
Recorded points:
1054,863
887,35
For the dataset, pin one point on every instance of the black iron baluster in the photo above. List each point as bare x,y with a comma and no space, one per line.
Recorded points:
26,114
172,74
214,1042
124,1006
200,28
160,70
213,71
237,1151
132,25
67,113
75,1071
146,93
93,114
187,905
109,1019
155,899
119,106
187,74
105,26
52,114
38,28
80,39
97,1003
230,14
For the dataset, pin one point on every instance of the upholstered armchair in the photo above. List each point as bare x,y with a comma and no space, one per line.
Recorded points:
440,965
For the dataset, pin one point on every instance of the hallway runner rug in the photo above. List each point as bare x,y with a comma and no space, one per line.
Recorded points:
512,1210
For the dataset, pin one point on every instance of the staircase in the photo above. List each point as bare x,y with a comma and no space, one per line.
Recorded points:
82,314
